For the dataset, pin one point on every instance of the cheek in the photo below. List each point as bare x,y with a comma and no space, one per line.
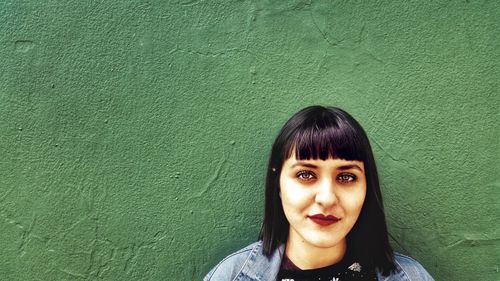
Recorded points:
353,201
293,198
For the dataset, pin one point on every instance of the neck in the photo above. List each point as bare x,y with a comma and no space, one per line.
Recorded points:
307,256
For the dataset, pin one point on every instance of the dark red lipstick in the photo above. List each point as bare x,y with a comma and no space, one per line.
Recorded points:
324,220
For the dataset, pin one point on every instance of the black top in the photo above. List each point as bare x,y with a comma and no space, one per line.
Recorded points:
345,270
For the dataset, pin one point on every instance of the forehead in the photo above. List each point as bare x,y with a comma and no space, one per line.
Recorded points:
330,162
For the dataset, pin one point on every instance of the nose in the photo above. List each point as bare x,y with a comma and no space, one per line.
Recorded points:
326,193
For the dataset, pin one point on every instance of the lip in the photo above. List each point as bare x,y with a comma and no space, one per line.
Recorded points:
324,220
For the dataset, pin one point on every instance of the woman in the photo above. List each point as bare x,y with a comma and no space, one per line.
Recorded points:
324,217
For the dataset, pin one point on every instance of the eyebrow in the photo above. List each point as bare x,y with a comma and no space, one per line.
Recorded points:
348,167
304,165
342,168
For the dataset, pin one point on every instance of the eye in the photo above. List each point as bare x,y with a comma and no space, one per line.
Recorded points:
305,175
346,178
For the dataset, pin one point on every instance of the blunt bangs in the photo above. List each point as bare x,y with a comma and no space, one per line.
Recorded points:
328,137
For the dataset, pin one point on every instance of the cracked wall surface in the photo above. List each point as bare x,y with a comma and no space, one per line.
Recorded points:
135,134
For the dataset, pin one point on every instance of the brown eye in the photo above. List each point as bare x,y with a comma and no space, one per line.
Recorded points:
346,178
305,175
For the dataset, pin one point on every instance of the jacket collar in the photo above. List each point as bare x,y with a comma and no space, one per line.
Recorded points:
259,267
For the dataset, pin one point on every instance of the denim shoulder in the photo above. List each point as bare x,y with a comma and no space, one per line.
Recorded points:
230,266
408,270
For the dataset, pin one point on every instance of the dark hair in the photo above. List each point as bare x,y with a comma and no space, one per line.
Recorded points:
318,132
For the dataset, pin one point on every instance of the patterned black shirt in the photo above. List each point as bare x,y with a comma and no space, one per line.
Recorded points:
346,270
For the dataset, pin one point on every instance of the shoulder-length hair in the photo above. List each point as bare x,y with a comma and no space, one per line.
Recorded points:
318,132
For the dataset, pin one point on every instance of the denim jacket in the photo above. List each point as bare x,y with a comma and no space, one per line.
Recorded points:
250,264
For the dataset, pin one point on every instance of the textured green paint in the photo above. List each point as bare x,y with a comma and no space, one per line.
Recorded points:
135,134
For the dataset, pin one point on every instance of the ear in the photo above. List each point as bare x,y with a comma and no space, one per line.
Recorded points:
279,187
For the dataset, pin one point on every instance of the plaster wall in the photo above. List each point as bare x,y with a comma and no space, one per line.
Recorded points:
135,134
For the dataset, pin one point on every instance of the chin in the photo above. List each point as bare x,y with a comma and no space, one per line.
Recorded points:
325,241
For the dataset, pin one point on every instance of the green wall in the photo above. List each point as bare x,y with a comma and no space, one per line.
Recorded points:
135,134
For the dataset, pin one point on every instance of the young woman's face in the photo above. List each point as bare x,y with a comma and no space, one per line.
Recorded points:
322,199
